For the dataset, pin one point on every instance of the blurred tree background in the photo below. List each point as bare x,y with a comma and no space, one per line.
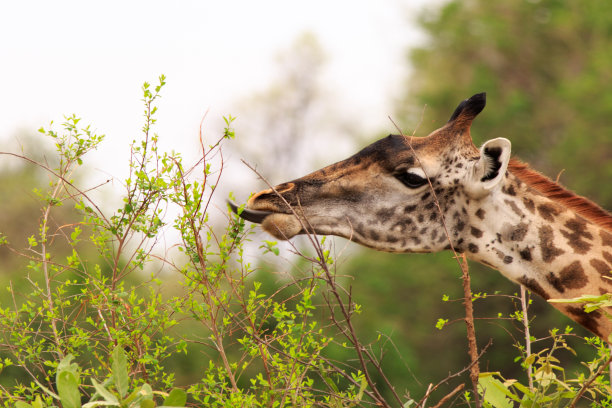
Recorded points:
545,66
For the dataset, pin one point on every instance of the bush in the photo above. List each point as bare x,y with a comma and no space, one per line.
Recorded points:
74,313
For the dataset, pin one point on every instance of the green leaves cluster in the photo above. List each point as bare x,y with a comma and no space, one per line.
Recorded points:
114,392
551,386
98,315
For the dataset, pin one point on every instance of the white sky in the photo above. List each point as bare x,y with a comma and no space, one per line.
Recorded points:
90,58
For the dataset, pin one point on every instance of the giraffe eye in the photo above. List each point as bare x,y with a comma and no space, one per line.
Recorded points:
411,180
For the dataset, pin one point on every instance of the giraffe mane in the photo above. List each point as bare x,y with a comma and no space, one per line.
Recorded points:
545,186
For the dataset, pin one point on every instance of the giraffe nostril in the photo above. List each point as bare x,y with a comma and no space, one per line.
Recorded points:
285,187
274,200
260,195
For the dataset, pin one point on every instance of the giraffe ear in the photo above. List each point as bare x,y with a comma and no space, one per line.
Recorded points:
489,170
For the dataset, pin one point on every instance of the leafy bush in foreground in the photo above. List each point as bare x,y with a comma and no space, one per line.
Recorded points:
71,313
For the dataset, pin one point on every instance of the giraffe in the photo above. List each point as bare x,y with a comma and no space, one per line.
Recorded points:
440,192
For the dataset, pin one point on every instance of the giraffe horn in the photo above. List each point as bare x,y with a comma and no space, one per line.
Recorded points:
468,110
255,216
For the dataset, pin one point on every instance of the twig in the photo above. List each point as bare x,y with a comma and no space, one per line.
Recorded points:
449,395
610,364
450,376
471,333
427,393
527,335
590,381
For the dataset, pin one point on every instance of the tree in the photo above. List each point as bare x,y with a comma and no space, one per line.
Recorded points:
544,65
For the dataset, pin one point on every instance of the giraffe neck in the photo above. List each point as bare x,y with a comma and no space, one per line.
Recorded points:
545,245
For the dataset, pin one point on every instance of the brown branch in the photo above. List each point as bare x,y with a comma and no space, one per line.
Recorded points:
450,376
449,396
527,335
590,381
471,333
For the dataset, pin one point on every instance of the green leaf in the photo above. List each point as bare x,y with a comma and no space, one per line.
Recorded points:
147,404
494,391
177,398
67,379
68,389
21,404
120,371
94,404
109,398
37,403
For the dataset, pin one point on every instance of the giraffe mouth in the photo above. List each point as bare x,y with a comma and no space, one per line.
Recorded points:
256,216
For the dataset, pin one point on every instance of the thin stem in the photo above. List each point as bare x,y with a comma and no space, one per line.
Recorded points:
471,333
527,335
45,263
449,396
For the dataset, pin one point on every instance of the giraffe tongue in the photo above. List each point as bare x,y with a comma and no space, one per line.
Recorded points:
255,216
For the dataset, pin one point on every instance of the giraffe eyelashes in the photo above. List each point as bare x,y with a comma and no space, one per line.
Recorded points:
411,179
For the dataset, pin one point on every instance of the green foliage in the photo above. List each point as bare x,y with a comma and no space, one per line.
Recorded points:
550,386
542,64
112,393
93,319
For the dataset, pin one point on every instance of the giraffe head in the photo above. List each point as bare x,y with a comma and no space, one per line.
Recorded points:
387,195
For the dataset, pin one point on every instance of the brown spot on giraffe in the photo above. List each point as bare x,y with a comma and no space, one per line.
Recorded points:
529,204
548,211
525,254
601,267
409,209
533,286
606,238
547,247
509,190
570,277
475,232
514,208
588,320
518,233
578,235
